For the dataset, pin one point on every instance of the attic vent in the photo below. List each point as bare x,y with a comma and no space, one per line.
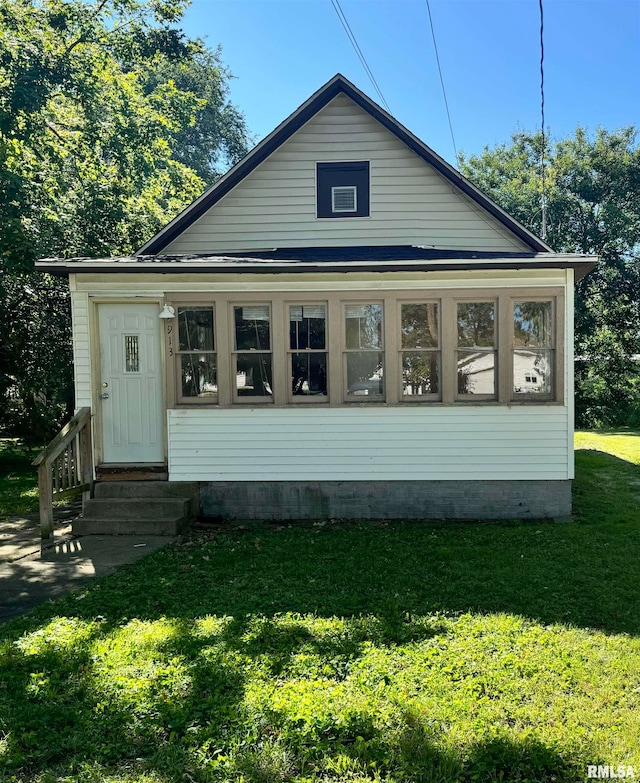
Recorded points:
344,199
342,189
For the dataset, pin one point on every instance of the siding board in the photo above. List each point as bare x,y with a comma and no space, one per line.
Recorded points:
81,348
360,444
278,197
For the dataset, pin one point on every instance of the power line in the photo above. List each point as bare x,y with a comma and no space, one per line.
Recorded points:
444,93
542,161
343,19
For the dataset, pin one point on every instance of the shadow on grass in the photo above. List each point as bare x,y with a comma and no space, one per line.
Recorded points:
585,574
70,716
179,698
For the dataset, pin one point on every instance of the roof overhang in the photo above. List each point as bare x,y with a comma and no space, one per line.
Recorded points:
581,264
335,86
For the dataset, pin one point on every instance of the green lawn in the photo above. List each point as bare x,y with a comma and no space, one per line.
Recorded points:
18,480
375,652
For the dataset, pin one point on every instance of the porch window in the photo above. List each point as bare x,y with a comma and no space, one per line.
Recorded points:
447,346
533,349
307,355
197,355
420,350
476,350
363,352
252,353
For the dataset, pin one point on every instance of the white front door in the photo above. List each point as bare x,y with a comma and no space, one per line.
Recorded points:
131,383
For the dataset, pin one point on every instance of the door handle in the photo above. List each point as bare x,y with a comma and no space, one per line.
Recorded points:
104,396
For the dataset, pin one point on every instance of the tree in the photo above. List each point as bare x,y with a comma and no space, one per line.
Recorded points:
111,121
593,197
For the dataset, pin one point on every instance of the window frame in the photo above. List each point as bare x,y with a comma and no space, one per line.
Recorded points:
418,398
320,399
364,398
472,398
391,299
553,349
180,398
234,353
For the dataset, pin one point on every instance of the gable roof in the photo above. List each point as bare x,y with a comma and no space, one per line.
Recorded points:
339,84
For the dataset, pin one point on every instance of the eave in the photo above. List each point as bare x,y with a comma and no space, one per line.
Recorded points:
581,264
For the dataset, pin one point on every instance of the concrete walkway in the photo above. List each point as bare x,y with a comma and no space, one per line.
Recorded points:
33,571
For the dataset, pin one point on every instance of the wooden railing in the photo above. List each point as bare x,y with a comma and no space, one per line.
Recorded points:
65,467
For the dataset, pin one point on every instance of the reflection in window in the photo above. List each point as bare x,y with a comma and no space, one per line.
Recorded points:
254,376
420,373
476,354
533,354
308,357
364,364
195,329
199,375
365,374
196,349
421,365
252,328
252,339
363,325
132,353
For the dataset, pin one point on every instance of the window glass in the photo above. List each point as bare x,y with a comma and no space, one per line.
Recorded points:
420,373
476,372
532,324
254,376
365,374
420,325
532,371
252,328
308,374
476,321
476,358
199,375
533,355
197,362
307,340
195,329
307,327
363,324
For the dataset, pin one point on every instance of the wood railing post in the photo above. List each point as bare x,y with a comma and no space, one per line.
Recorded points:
85,451
45,490
57,465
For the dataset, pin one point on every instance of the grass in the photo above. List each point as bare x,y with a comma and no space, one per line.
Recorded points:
413,653
18,480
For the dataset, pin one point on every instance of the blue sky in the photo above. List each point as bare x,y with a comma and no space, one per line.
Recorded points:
281,51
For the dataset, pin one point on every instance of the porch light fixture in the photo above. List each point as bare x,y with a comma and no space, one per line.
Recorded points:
167,312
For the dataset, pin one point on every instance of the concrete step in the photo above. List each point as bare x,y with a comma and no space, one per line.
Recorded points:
136,508
146,489
131,527
119,490
139,508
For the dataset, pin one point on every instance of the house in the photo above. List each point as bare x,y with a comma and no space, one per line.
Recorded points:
341,327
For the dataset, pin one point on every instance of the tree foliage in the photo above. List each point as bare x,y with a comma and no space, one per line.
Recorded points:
111,121
593,196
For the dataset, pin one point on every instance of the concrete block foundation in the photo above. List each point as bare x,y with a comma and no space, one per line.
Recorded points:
317,500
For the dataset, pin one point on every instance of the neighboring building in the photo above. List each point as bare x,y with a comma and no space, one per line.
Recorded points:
342,326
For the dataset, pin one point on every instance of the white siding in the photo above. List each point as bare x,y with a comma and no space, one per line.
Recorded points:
358,444
411,203
81,348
